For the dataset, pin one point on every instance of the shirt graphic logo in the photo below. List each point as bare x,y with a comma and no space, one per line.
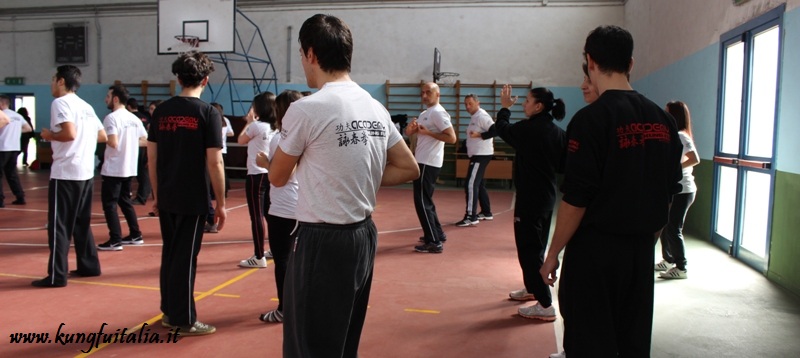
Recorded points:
359,132
636,134
172,123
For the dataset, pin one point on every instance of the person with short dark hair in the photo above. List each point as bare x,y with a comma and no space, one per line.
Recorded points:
74,133
144,189
184,146
126,135
479,151
9,150
349,147
622,168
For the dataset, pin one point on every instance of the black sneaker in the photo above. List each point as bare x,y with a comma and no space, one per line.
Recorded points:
430,248
132,240
467,222
110,246
47,282
19,201
483,216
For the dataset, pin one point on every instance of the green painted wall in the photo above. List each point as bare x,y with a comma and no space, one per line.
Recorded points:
698,220
784,266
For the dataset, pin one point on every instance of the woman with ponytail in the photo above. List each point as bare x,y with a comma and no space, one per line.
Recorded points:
539,154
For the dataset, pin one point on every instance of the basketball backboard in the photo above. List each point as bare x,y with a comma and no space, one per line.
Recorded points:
437,64
201,25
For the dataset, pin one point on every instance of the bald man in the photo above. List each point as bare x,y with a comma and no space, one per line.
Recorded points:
433,130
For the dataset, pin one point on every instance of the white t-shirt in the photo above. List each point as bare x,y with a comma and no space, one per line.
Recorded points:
9,134
430,151
480,122
688,178
121,162
260,133
342,134
283,200
225,131
74,160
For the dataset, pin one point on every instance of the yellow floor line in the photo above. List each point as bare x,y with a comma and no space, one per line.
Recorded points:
155,319
149,288
421,311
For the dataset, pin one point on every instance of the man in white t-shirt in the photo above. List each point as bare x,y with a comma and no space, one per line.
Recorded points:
74,133
480,153
126,134
9,149
433,130
349,148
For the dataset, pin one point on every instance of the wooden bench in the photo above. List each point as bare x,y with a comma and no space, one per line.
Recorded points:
500,167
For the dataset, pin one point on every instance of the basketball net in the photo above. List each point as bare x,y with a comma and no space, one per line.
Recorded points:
187,43
447,79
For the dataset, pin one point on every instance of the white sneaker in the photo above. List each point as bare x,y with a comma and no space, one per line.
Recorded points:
268,254
559,355
254,262
538,312
662,266
673,273
521,295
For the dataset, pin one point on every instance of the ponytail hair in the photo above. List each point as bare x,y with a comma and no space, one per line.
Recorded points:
556,107
264,108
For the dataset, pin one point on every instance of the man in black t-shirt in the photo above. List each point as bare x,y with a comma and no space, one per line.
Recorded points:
184,144
622,168
142,175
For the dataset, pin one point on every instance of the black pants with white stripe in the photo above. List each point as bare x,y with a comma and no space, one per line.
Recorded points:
423,203
69,204
182,236
475,187
256,188
327,288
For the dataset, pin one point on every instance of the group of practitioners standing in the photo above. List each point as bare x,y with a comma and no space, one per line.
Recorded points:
622,156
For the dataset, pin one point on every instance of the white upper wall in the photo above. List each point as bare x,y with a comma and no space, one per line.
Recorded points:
667,31
513,42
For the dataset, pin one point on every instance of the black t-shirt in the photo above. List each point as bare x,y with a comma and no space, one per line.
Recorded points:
183,128
623,163
539,154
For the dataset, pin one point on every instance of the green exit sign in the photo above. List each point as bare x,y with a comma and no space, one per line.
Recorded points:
15,81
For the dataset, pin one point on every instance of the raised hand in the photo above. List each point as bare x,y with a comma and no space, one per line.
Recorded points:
505,97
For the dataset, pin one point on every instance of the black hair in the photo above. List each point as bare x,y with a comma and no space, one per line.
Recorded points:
264,108
555,107
611,47
22,111
71,76
192,67
331,40
680,111
282,103
122,94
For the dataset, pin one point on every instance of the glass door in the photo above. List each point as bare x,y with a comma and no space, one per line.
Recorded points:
743,170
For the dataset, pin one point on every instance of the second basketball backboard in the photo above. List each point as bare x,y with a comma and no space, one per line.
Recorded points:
202,25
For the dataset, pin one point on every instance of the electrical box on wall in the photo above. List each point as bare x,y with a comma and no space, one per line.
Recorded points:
70,43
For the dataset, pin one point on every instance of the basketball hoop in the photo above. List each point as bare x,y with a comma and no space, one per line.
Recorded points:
187,43
447,79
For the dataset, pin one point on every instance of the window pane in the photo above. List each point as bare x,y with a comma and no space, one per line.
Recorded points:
732,103
726,202
756,212
762,98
